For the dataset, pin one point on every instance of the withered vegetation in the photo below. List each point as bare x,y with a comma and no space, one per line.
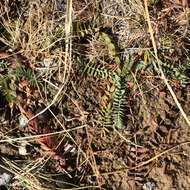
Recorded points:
94,94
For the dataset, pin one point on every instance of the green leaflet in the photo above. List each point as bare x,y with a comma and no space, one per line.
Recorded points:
98,70
119,107
105,116
9,91
110,47
169,70
8,88
80,30
119,95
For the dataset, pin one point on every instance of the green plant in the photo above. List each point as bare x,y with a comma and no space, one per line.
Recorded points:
9,90
111,50
119,107
148,64
97,70
80,29
175,73
20,72
169,70
105,117
10,75
7,87
119,94
119,80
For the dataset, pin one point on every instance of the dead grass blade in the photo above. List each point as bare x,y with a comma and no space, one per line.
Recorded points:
34,137
68,41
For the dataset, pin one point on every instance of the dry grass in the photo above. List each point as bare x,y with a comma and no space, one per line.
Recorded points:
40,37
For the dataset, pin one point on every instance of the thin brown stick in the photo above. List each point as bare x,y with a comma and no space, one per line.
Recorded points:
34,137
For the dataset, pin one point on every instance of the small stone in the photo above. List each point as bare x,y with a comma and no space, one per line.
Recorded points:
22,149
4,178
61,5
22,121
149,186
